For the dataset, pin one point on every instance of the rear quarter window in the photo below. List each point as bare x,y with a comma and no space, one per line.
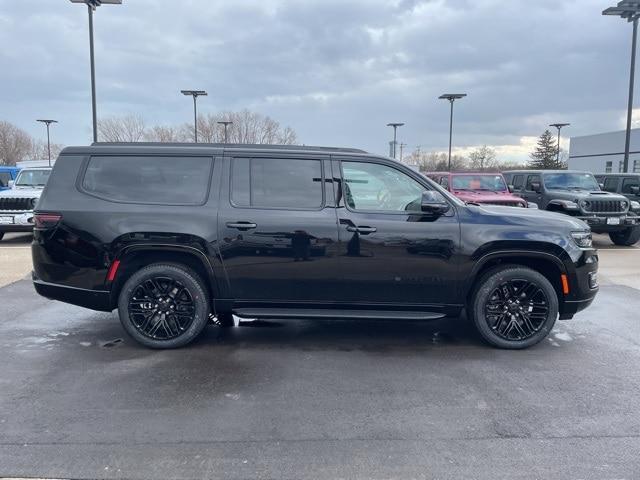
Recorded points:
149,179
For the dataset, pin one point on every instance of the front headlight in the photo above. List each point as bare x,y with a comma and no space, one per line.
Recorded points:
582,239
635,206
34,202
569,205
624,204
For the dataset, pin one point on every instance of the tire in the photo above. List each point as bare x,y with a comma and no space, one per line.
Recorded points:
164,306
518,317
626,238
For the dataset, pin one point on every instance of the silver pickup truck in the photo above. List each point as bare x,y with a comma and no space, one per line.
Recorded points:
17,203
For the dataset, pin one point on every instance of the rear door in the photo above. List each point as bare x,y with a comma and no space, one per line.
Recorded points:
277,229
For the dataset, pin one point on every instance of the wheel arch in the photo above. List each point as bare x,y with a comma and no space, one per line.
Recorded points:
134,257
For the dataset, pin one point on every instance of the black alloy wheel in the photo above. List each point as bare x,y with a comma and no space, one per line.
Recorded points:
513,306
164,305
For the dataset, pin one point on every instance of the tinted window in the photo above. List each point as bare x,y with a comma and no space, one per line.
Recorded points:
165,180
371,186
532,179
276,183
568,181
518,182
493,183
4,179
610,184
627,183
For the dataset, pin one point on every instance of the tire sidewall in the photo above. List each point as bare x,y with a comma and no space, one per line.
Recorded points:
489,282
627,237
193,284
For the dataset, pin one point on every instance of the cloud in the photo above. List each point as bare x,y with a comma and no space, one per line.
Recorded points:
335,71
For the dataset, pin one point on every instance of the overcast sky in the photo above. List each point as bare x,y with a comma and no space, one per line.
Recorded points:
337,71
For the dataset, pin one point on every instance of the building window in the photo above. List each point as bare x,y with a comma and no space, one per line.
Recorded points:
636,166
620,166
608,167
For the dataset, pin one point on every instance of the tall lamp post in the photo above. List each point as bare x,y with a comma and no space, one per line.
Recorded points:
91,6
559,126
195,94
47,123
226,123
452,97
629,10
395,142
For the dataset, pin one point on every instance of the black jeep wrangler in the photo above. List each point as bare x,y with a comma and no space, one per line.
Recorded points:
174,234
578,194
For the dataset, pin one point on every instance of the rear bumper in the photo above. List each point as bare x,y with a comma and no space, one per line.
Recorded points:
16,228
94,299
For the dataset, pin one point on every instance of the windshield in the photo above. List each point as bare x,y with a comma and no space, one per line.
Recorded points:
566,181
493,183
33,178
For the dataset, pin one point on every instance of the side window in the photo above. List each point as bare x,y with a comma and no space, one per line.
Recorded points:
444,181
610,184
376,187
149,179
276,183
518,182
532,179
4,179
627,183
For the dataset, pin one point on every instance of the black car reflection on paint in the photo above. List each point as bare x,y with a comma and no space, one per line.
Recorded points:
173,235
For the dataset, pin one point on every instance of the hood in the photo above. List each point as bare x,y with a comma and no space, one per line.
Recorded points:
532,217
481,196
577,195
21,192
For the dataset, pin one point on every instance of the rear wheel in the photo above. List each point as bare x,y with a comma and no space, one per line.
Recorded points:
514,307
626,238
164,306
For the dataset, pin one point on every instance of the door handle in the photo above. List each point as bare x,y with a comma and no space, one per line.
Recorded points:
363,230
241,225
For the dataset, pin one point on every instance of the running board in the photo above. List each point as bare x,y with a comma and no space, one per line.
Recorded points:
329,314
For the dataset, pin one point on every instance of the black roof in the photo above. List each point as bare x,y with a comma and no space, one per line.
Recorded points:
218,147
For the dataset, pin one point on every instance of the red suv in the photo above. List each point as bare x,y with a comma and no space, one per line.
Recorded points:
484,188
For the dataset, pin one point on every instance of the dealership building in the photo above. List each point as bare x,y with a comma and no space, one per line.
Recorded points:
604,152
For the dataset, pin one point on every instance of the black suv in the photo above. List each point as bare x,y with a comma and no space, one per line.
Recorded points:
174,235
579,195
627,184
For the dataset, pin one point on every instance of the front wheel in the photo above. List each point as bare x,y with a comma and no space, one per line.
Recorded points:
164,306
514,307
625,238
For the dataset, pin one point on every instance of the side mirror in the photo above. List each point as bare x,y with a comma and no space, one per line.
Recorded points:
11,183
601,185
635,190
434,203
535,186
511,188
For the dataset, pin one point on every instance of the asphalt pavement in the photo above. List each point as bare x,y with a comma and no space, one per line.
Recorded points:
79,399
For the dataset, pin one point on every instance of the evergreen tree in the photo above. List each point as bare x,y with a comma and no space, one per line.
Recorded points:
545,156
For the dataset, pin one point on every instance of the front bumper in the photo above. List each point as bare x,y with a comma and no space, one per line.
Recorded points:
16,221
583,286
610,223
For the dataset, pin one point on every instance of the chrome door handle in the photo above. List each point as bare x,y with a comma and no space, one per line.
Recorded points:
241,225
363,230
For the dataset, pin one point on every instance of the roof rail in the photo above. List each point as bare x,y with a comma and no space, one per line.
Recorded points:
230,146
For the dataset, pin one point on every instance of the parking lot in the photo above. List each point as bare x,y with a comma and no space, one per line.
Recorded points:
318,399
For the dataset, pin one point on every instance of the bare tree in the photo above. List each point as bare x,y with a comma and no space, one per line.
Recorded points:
15,144
483,158
129,128
39,150
437,161
164,133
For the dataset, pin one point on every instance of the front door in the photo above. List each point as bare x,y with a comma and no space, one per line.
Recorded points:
390,252
277,229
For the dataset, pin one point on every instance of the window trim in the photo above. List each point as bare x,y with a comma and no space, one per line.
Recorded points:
85,166
341,160
251,207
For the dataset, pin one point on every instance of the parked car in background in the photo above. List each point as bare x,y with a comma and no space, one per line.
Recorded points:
578,194
627,184
7,177
171,233
483,188
18,203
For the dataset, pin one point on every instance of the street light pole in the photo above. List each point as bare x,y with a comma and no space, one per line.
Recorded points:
395,136
629,10
559,127
47,123
195,94
452,97
91,6
226,123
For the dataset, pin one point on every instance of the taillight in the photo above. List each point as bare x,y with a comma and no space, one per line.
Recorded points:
46,220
